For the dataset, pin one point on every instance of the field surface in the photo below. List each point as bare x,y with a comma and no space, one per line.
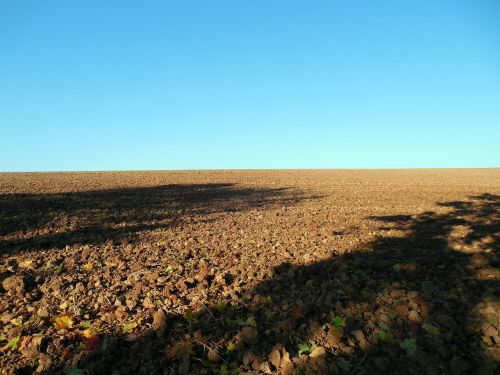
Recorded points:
225,272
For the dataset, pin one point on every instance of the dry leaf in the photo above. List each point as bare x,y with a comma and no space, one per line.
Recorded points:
63,322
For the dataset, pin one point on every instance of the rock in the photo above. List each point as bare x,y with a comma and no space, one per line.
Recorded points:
14,283
249,334
159,320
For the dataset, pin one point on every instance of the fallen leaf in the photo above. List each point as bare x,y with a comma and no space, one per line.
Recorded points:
251,321
26,263
231,346
87,333
92,342
63,322
25,342
213,356
129,327
298,312
18,322
178,349
11,345
64,305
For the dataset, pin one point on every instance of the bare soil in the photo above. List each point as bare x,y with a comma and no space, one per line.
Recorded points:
224,272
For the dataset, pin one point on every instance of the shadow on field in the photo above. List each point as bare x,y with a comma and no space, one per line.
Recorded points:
41,221
422,299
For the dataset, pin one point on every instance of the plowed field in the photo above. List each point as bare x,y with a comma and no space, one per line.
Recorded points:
226,272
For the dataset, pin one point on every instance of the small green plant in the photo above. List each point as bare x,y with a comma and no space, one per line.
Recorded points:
129,327
383,336
338,321
409,345
383,326
86,324
429,328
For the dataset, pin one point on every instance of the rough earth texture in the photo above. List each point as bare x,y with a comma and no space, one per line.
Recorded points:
291,272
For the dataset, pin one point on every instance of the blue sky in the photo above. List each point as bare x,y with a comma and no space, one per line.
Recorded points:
99,85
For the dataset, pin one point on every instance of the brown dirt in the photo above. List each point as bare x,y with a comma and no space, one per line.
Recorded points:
222,272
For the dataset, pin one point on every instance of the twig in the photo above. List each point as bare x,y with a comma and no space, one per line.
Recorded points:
209,348
360,362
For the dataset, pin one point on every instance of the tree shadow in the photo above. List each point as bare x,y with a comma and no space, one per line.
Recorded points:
421,299
43,221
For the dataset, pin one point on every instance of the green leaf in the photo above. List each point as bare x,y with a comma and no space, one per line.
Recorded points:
383,336
189,315
409,345
221,307
223,369
429,328
86,324
303,349
493,319
169,269
337,331
338,321
12,344
251,321
383,326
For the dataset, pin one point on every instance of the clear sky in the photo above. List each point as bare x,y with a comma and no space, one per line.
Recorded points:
98,85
